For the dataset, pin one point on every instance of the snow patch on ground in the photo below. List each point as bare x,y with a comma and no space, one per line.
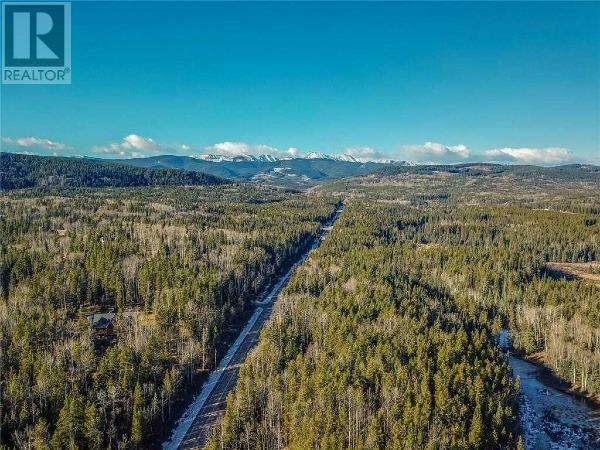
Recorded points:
550,419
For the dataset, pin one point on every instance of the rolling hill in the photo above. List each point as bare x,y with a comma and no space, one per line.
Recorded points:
25,171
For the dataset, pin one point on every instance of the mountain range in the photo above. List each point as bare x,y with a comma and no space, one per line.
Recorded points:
309,169
311,155
24,171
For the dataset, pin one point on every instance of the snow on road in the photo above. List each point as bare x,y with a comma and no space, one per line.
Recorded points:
190,414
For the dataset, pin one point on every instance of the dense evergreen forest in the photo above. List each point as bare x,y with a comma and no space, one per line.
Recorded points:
26,171
115,302
176,267
387,337
367,350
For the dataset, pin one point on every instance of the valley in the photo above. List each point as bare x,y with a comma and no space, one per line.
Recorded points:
120,308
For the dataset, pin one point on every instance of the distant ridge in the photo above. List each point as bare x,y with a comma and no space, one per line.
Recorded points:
26,171
565,172
311,155
311,169
237,158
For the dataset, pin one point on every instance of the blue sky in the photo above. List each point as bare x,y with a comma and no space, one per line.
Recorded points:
514,82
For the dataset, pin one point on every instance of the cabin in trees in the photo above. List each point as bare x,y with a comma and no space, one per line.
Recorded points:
102,324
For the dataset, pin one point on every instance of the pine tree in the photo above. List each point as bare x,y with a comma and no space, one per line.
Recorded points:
40,438
137,417
62,431
69,428
92,431
476,430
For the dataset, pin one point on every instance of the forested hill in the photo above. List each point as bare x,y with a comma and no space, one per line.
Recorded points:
296,171
25,171
568,172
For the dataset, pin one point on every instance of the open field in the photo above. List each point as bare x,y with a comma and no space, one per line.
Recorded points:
581,271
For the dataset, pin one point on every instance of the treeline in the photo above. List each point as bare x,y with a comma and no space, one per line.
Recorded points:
567,172
177,266
27,171
369,349
570,188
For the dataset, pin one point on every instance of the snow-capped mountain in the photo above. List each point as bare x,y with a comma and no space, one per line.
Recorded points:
263,158
212,158
396,162
344,157
316,155
301,170
237,158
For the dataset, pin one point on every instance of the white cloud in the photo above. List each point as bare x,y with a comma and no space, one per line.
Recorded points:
132,146
434,152
33,142
229,148
136,146
293,152
549,155
140,143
